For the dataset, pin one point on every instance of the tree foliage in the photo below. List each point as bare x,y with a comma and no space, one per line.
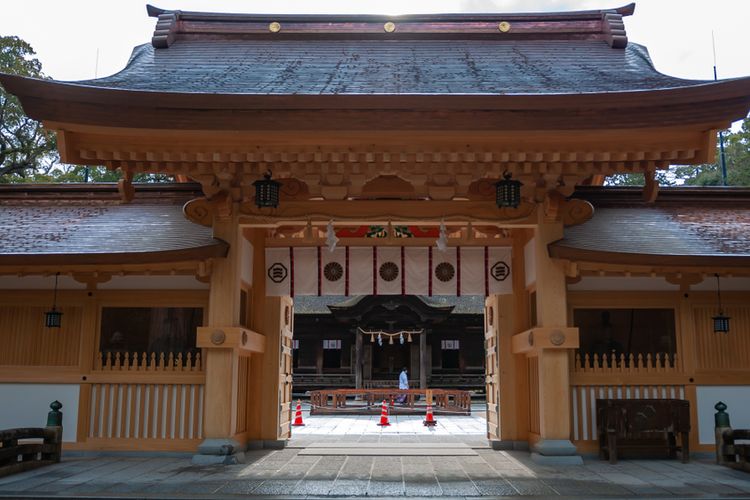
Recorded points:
25,147
28,152
736,154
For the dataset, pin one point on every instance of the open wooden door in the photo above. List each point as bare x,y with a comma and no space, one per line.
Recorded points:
492,369
285,368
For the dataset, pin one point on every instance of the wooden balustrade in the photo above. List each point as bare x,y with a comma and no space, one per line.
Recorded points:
132,415
369,401
613,363
134,361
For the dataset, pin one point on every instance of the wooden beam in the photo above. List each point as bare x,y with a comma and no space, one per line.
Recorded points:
533,340
377,212
231,337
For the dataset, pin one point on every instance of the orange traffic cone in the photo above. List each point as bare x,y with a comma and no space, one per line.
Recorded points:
429,420
384,415
298,415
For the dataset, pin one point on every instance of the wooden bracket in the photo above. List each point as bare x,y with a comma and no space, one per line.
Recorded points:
245,341
651,186
532,341
684,280
125,187
91,280
202,210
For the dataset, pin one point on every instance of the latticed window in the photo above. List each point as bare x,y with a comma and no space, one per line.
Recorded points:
142,334
611,337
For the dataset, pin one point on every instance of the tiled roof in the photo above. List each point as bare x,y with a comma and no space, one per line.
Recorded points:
682,225
60,227
470,304
349,67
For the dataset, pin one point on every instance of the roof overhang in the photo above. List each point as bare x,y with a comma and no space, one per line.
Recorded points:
717,104
580,255
217,250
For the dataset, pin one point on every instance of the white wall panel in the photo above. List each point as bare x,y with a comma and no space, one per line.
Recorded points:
27,405
737,399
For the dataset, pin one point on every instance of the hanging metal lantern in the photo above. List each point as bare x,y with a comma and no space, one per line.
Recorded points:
508,191
721,322
53,318
267,191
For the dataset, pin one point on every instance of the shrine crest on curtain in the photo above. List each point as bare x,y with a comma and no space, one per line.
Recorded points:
373,270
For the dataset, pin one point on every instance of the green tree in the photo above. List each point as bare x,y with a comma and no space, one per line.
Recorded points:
25,147
28,152
737,155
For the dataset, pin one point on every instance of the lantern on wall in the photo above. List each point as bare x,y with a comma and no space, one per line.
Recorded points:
53,318
267,191
508,191
721,322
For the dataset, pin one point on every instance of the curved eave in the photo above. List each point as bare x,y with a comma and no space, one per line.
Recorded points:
557,251
50,90
715,104
218,249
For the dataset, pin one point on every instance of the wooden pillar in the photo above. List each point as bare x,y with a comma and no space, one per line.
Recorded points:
222,364
257,239
423,359
358,358
553,340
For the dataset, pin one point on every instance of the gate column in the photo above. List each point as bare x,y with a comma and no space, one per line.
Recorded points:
547,346
227,347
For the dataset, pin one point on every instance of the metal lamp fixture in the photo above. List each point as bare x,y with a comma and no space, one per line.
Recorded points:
721,322
508,191
53,318
267,191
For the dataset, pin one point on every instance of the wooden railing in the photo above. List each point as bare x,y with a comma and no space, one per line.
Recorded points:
127,415
369,401
621,363
134,361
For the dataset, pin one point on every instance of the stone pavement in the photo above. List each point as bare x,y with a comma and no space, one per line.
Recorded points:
287,473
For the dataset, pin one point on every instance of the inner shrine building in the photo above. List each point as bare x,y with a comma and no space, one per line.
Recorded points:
416,157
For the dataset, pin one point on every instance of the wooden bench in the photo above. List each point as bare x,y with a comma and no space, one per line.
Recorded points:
18,455
650,426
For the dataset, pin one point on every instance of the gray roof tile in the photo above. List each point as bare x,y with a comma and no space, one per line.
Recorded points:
398,66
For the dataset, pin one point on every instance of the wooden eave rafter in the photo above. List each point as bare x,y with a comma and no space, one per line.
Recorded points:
44,100
594,257
217,250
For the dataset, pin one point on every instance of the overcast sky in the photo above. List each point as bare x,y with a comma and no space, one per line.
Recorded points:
68,34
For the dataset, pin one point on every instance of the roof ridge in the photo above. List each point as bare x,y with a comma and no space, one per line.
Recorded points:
603,24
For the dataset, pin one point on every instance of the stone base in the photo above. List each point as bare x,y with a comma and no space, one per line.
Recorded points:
556,459
508,445
219,452
555,452
555,447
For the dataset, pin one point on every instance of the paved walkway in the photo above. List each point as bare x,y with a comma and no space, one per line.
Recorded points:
288,473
